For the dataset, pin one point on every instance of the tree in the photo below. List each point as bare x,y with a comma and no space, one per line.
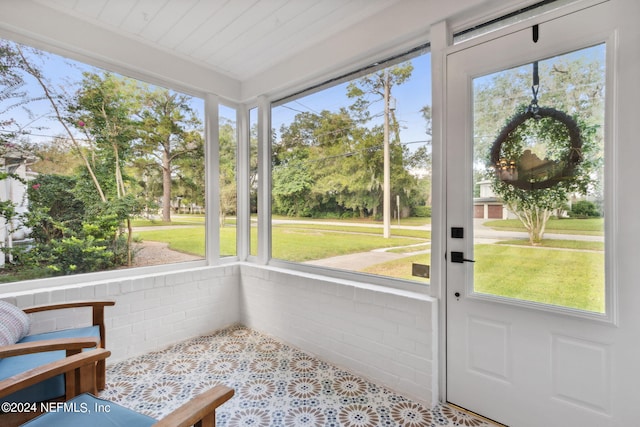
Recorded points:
227,178
55,157
572,85
103,111
55,99
371,89
11,94
167,120
331,162
10,97
253,168
291,175
54,210
292,184
100,111
420,161
188,176
380,85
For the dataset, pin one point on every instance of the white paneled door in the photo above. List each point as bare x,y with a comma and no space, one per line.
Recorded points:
530,321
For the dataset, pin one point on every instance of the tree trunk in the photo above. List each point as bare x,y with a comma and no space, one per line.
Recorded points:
129,242
166,188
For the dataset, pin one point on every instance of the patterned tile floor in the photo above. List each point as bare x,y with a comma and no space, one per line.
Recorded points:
275,385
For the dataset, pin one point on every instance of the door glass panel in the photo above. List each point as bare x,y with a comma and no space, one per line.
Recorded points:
539,181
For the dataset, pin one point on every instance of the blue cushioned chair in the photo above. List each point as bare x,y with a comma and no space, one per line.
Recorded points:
88,410
37,350
78,371
84,409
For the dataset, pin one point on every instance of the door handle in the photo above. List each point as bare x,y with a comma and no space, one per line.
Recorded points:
459,257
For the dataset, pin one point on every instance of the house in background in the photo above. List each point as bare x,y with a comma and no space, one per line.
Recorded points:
488,205
521,364
16,163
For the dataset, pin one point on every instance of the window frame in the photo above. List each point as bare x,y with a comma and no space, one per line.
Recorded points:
264,188
210,122
263,104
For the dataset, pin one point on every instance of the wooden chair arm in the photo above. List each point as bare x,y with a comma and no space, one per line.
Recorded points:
200,411
72,304
70,345
79,369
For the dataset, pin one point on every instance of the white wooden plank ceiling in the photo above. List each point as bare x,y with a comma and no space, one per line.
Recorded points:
239,38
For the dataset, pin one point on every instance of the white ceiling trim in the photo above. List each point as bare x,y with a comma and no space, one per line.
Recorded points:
236,49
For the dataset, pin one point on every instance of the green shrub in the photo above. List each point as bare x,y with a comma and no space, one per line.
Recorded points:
585,209
421,211
73,255
54,210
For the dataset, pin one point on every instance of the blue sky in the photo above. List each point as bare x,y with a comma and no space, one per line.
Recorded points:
410,97
37,117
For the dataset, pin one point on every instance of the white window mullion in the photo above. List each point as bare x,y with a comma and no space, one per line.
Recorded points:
264,174
243,209
212,167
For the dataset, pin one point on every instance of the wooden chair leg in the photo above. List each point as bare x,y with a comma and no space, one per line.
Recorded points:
86,380
80,380
70,384
101,374
207,421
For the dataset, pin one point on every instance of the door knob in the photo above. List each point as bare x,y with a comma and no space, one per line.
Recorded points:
459,257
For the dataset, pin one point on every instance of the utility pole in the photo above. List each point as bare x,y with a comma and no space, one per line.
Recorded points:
386,202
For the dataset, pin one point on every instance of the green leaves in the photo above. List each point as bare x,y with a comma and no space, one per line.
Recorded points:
331,162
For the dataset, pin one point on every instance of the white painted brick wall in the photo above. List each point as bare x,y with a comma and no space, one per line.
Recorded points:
151,311
386,335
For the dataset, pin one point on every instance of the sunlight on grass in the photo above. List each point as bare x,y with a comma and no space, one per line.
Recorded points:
413,221
305,245
569,278
563,278
591,226
143,222
559,244
400,268
289,244
395,232
187,239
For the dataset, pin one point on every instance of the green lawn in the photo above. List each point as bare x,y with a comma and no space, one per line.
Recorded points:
558,277
175,220
187,239
395,232
400,268
530,274
570,278
403,221
291,244
560,244
590,226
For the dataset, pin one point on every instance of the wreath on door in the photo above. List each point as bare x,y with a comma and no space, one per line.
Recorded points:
524,169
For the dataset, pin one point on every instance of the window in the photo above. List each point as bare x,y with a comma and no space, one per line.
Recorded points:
540,187
329,173
228,146
253,181
99,171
